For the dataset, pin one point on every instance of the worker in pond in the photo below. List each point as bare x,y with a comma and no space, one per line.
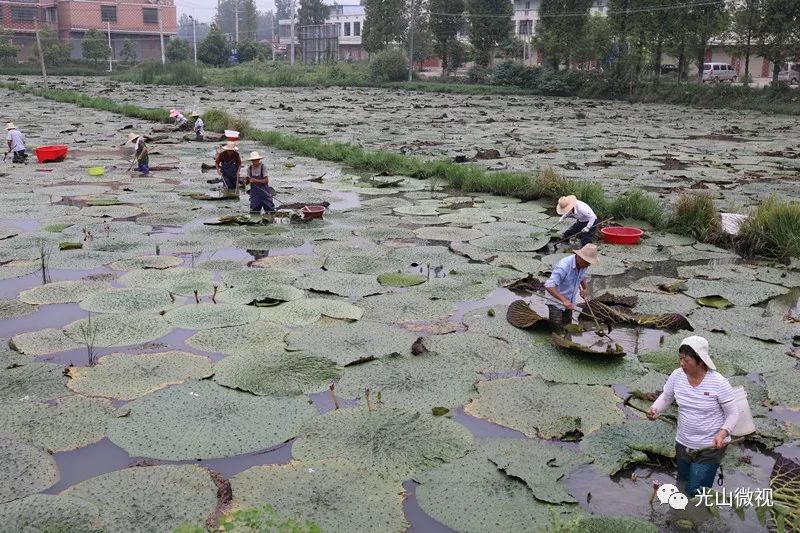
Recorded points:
181,122
199,126
228,164
585,223
567,281
141,155
16,143
260,198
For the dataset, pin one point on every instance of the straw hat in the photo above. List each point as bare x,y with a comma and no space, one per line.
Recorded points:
194,114
700,347
566,204
10,126
589,254
174,113
230,146
132,137
254,156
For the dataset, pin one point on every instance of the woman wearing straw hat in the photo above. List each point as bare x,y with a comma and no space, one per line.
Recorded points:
228,165
181,123
16,143
199,132
570,206
566,282
259,185
140,154
707,413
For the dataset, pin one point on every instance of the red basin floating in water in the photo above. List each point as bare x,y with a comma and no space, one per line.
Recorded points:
312,211
55,152
622,235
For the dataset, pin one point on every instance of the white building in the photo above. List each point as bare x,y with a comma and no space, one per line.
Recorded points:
349,18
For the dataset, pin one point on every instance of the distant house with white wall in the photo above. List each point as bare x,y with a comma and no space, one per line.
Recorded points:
349,20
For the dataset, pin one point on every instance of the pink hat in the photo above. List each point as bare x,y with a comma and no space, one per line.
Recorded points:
173,113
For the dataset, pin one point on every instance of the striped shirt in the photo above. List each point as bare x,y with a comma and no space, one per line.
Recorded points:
702,410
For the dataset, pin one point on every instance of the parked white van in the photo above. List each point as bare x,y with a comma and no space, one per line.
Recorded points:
790,73
719,72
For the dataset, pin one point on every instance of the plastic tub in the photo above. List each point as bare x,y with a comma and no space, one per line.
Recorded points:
96,171
54,152
232,135
622,235
745,424
312,211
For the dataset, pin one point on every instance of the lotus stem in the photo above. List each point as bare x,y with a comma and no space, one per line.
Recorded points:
331,388
656,484
429,271
214,296
171,296
158,249
369,401
196,296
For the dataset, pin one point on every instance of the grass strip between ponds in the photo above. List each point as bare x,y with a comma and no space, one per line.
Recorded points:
772,232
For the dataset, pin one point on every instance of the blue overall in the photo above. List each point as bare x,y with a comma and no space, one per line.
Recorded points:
259,194
230,173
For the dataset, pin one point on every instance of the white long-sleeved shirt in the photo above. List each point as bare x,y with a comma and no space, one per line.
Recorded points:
198,126
583,213
702,410
17,140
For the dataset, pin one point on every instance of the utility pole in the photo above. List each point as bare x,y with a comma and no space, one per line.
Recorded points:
194,38
236,10
161,33
110,49
291,34
41,52
411,42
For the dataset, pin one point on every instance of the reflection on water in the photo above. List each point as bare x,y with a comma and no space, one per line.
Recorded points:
632,340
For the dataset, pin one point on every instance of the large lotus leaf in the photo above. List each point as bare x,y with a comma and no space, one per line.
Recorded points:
397,307
5,232
62,292
482,321
417,210
615,447
536,407
508,229
306,311
654,284
400,279
245,295
178,280
111,211
118,330
347,344
128,300
688,254
392,443
152,498
209,315
15,269
126,377
782,387
268,242
420,383
751,321
472,495
157,262
471,251
83,259
615,524
521,262
359,264
474,350
74,190
546,361
446,233
221,265
292,374
69,423
354,246
15,308
431,255
258,277
10,358
50,514
657,303
539,464
260,339
742,293
778,276
125,244
382,233
43,342
467,217
200,420
24,470
333,494
457,288
357,285
32,382
512,243
178,218
640,252
732,272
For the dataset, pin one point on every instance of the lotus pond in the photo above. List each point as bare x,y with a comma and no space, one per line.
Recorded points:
159,367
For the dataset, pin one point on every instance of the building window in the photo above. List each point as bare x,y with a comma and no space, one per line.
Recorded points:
24,14
357,29
525,27
150,15
109,13
528,4
346,29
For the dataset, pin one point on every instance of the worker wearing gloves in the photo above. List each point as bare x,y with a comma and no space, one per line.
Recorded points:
567,281
586,220
16,143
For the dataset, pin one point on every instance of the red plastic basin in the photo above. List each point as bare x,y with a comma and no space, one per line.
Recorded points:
622,235
54,152
312,211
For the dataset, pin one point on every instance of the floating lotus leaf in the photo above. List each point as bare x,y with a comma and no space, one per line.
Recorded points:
333,494
202,420
158,262
537,408
41,512
615,447
651,303
359,264
418,383
785,484
43,342
15,308
384,233
259,339
177,218
5,232
688,254
720,271
126,377
351,343
209,315
391,443
193,245
11,358
512,243
83,259
24,470
457,288
221,265
445,233
473,252
432,255
32,382
69,423
472,495
128,244
74,190
782,387
244,295
353,246
400,279
289,375
394,307
128,300
111,211
62,292
474,351
716,301
539,464
357,285
521,262
119,330
178,280
778,276
15,269
416,210
617,524
520,315
640,252
508,229
742,293
258,277
597,310
306,311
605,350
467,217
268,242
754,322
479,321
654,284
548,362
152,498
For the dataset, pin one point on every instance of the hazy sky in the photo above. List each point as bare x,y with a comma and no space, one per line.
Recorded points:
204,10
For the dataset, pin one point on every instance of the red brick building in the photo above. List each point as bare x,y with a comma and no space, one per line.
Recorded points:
139,21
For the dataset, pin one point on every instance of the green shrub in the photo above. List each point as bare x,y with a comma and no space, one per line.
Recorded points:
389,65
257,520
514,73
772,231
592,193
696,215
153,72
550,184
478,74
638,205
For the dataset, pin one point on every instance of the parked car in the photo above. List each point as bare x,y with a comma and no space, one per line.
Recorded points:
719,72
789,73
669,68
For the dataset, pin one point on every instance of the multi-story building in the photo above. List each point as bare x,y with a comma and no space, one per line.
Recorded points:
140,21
348,18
